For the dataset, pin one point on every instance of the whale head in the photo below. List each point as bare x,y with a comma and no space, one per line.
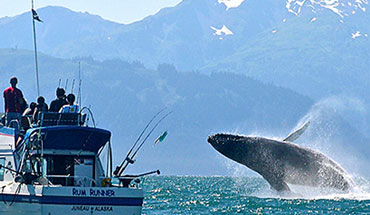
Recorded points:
232,146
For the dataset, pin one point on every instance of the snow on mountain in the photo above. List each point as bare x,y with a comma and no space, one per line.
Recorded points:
224,31
358,34
188,35
340,7
231,3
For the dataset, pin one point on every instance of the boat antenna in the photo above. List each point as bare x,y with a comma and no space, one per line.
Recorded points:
79,84
60,81
37,18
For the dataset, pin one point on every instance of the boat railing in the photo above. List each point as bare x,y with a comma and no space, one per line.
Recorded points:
55,119
47,119
79,181
44,120
14,124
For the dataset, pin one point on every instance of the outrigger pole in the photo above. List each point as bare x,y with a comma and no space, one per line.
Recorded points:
35,16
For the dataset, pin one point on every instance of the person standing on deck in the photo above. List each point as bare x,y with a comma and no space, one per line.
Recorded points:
13,101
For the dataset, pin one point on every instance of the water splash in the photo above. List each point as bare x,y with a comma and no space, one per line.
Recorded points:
332,134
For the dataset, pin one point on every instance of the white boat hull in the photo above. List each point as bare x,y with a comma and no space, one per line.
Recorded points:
46,200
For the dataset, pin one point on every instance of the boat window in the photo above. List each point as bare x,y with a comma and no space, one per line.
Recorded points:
60,169
83,171
2,163
69,170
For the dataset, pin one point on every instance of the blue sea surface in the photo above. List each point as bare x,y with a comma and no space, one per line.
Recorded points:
247,195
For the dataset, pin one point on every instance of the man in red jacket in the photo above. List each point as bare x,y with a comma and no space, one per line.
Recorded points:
14,102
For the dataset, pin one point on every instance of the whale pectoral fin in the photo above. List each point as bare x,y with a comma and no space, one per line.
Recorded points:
280,186
277,184
297,133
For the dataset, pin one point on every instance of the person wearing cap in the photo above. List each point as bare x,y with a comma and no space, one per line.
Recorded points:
13,101
59,102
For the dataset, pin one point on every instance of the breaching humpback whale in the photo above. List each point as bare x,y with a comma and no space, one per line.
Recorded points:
282,162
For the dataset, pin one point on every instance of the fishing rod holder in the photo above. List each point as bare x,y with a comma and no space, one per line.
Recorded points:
130,161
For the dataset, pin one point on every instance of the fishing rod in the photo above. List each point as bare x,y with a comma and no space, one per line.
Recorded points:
142,143
136,142
66,85
61,83
73,85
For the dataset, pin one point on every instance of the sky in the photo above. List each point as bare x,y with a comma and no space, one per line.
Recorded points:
121,11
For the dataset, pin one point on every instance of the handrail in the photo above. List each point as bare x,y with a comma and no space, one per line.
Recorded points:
55,119
91,114
17,122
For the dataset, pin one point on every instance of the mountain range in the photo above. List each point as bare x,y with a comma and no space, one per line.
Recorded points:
305,42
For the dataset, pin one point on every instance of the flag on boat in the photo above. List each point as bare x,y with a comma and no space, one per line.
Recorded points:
161,138
36,16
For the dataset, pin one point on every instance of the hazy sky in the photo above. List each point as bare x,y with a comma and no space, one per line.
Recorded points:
122,11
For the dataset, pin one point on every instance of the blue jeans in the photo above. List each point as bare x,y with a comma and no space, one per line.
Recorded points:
13,116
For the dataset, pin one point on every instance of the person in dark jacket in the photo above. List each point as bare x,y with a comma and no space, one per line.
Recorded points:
59,102
41,107
31,110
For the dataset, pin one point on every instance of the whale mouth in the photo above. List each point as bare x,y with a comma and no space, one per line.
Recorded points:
219,141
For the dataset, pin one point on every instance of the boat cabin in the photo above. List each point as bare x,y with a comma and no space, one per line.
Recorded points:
58,149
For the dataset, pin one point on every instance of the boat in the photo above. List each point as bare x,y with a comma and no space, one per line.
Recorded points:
54,167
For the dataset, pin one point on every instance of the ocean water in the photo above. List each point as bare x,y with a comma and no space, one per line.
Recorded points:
247,195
